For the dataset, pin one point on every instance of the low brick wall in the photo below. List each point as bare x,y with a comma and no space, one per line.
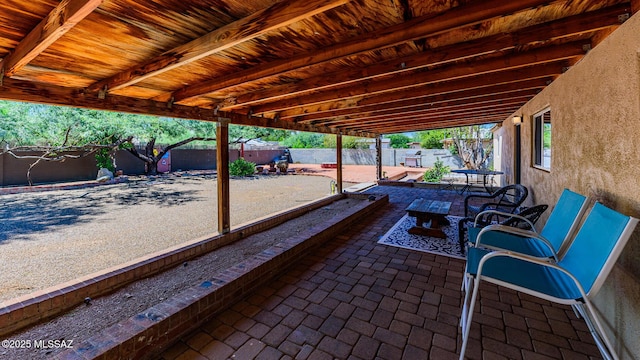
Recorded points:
146,334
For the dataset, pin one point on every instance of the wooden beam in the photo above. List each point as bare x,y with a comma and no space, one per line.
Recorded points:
419,105
464,113
427,111
18,90
480,112
415,80
438,124
61,19
385,127
417,28
222,176
378,103
378,158
442,124
339,163
280,14
537,76
575,25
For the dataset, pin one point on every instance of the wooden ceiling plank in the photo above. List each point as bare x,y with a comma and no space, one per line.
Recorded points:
377,102
57,23
383,109
461,113
425,109
437,117
532,77
18,90
378,86
434,125
467,14
281,14
414,125
578,24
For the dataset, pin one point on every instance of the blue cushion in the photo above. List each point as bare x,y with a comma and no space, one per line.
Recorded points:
524,274
562,217
519,244
594,243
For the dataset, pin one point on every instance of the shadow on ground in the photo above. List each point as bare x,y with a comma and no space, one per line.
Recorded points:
29,213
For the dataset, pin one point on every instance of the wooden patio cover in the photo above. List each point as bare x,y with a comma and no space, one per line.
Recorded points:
352,67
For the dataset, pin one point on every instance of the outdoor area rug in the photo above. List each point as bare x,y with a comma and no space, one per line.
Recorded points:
399,237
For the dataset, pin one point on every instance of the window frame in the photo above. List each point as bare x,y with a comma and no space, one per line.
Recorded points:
539,120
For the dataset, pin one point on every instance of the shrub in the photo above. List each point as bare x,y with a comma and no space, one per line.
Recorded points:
104,159
436,173
242,167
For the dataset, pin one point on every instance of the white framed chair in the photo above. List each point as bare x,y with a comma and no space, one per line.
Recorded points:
551,242
574,280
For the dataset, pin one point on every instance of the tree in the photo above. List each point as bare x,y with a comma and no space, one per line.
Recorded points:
304,140
174,133
469,144
432,139
252,132
55,134
153,137
61,133
399,141
348,142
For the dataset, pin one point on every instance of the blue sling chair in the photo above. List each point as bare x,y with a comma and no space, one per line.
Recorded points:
574,280
550,242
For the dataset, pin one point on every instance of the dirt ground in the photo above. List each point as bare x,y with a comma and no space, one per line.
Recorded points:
53,237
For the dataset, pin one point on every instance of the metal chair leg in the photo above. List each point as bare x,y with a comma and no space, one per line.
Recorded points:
466,325
597,331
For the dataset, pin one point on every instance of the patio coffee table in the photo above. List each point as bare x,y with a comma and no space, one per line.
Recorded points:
429,210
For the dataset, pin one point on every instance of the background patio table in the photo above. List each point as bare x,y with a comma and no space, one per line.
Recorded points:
477,172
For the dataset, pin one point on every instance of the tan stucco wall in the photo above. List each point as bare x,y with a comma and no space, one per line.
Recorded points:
595,109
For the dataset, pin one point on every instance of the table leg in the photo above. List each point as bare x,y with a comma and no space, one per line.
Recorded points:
434,229
467,186
484,183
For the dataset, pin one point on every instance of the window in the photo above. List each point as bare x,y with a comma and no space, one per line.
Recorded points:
542,139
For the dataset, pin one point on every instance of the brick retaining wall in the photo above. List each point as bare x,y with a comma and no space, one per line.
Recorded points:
41,305
149,332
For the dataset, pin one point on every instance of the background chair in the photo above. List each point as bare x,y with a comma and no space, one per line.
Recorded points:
525,218
574,280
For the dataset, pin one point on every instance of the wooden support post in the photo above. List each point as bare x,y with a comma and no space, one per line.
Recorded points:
222,157
379,157
339,163
517,154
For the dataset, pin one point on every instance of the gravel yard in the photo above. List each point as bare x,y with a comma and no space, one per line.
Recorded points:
51,237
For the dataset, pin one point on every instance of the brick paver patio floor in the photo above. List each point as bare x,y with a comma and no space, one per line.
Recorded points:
355,299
